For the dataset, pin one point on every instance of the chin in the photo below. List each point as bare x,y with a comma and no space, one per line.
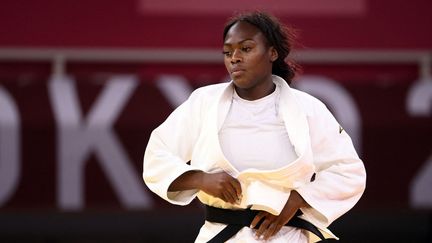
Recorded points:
241,82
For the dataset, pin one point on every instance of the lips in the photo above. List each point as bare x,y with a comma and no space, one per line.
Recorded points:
237,70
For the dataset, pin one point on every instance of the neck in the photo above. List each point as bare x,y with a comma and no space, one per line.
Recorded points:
257,92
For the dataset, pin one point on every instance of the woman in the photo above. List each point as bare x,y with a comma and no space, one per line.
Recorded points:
268,161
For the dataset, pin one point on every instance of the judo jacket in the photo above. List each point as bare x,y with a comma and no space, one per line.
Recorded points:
328,173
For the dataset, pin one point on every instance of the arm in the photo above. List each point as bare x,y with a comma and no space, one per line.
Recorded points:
339,181
273,223
340,174
170,147
220,185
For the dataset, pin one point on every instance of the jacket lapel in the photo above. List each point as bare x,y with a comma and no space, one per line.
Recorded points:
294,118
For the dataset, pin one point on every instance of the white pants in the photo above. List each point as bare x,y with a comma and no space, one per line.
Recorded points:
247,235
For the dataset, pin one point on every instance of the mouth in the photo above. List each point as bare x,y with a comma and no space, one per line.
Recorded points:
237,71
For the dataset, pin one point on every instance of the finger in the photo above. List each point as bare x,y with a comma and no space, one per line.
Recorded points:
237,187
232,191
228,197
272,230
257,219
263,228
225,196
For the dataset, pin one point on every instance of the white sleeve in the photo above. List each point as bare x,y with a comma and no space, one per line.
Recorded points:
169,149
340,174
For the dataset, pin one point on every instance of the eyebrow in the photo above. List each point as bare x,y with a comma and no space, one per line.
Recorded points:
240,42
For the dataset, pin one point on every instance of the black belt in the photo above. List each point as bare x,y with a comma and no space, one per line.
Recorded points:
237,219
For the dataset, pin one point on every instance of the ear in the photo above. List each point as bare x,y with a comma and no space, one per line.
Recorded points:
273,54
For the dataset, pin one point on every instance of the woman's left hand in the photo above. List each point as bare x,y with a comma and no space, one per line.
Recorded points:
271,224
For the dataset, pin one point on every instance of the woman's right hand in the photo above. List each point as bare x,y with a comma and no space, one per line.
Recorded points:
221,185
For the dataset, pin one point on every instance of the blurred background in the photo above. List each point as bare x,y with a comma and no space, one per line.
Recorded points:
83,83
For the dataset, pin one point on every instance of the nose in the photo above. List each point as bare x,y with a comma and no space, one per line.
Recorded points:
236,56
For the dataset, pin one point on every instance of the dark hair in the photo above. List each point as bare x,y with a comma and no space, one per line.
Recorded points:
278,35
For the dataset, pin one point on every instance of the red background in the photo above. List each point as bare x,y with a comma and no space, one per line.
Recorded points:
394,147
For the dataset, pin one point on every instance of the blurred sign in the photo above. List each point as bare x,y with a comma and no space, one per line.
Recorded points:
70,144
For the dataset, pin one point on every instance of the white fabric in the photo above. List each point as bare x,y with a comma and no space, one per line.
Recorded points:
254,136
190,133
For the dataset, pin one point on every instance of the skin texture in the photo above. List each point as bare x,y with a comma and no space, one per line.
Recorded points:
248,59
273,223
220,185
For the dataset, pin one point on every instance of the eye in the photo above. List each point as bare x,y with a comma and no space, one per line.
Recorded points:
227,53
246,49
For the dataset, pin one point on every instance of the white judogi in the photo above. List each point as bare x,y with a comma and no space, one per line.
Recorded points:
190,133
253,134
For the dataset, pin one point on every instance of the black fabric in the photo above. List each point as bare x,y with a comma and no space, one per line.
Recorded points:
237,219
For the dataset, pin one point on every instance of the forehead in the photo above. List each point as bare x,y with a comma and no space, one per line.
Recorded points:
242,31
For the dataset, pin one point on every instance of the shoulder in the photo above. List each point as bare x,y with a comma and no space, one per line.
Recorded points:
306,101
309,103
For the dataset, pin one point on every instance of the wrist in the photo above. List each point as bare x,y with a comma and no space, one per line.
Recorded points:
297,200
189,180
199,179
